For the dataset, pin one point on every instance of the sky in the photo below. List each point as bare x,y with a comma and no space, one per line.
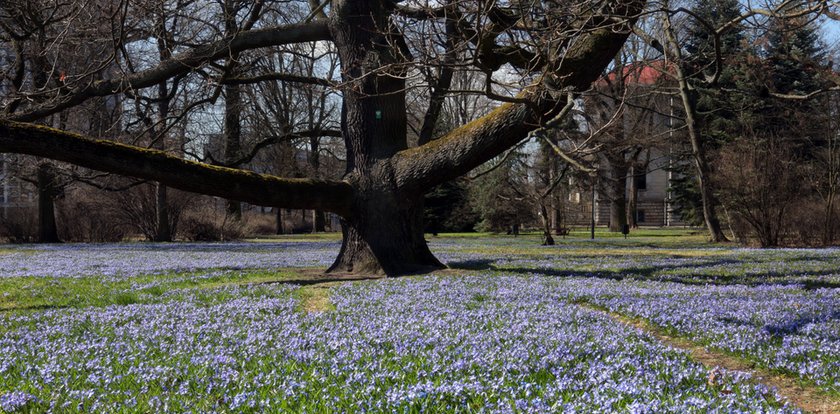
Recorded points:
831,33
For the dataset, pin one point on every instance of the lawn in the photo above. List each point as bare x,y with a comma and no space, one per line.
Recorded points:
584,326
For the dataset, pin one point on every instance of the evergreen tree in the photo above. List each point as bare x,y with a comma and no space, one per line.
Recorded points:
498,199
448,208
792,57
700,42
684,193
762,173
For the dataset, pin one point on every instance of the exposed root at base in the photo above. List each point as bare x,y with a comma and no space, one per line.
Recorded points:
307,277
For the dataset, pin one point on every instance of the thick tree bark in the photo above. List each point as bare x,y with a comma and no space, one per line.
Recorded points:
384,233
47,191
388,239
153,165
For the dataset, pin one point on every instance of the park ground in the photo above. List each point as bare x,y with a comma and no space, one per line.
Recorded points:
658,322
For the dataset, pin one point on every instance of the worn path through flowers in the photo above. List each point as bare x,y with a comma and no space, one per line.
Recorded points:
803,396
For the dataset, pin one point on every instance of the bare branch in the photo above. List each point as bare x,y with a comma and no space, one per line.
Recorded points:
180,64
804,97
472,144
282,77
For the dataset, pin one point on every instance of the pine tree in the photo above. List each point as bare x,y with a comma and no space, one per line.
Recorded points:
448,208
792,57
498,199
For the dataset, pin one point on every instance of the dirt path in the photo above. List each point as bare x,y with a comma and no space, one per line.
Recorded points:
805,397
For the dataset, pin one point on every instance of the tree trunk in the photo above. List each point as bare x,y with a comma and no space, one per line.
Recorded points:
385,237
279,224
163,233
556,202
233,104
709,201
546,222
633,194
828,220
379,195
47,189
618,217
319,222
384,232
617,194
698,152
318,219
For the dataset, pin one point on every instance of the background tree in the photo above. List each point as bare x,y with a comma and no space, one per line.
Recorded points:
448,208
500,196
711,65
628,113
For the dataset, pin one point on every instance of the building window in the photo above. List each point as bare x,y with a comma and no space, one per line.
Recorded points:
641,181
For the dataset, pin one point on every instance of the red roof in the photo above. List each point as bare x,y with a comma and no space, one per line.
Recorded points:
642,73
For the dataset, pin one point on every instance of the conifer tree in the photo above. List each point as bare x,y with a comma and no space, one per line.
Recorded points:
792,58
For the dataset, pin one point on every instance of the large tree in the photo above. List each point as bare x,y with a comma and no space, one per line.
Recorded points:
557,46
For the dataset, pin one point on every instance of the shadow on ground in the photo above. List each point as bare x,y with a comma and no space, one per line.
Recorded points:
807,279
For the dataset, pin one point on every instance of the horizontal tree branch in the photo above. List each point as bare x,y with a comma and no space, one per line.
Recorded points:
276,140
108,156
180,64
805,96
282,77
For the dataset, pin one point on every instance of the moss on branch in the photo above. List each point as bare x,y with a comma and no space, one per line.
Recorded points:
470,145
156,165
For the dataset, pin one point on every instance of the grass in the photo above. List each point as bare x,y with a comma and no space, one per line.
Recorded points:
314,299
661,237
31,293
17,293
804,394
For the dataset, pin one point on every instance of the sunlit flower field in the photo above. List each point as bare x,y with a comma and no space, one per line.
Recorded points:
511,327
